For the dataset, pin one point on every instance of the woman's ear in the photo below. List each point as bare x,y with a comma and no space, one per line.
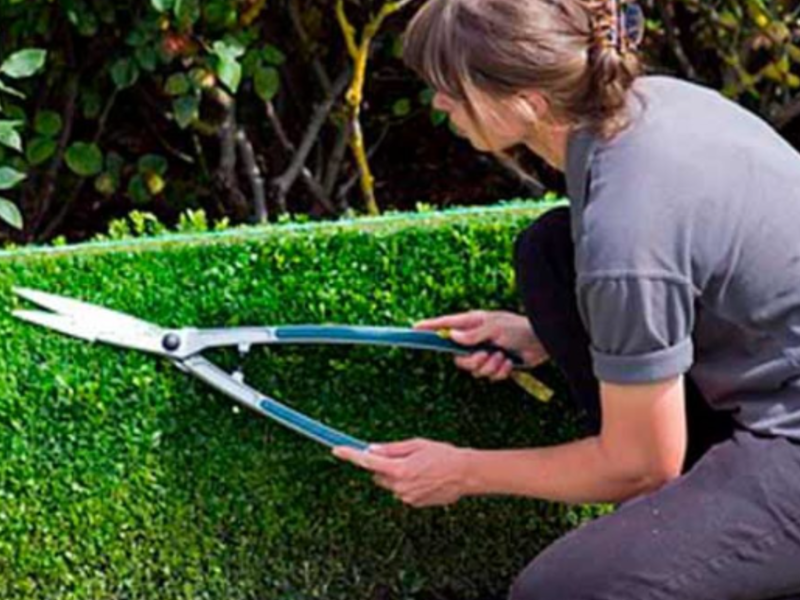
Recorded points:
537,105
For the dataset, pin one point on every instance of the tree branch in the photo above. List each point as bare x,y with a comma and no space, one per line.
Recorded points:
53,225
226,170
316,65
673,39
253,174
283,183
51,175
787,113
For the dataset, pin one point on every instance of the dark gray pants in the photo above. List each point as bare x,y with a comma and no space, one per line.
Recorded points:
727,529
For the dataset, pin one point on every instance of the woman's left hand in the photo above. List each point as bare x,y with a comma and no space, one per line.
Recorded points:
418,472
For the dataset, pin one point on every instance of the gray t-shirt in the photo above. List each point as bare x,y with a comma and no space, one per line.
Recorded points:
687,251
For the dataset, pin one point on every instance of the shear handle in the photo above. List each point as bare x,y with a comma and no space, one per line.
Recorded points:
185,343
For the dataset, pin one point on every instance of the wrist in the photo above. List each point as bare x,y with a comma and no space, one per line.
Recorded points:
469,476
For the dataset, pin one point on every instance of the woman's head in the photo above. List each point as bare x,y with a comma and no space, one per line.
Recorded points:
499,66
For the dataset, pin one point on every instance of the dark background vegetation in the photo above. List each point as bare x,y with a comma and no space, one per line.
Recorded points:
238,109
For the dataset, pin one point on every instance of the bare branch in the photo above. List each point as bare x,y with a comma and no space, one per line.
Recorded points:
253,174
56,222
305,175
665,9
226,170
278,127
51,175
787,113
334,167
284,182
316,65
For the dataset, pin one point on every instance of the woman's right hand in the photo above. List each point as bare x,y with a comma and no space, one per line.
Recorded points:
505,329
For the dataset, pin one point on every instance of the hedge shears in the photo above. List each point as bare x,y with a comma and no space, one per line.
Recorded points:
184,347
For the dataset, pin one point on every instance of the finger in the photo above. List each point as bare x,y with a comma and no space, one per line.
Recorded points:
478,364
397,449
367,460
472,362
467,320
491,366
471,337
348,454
384,482
413,500
504,372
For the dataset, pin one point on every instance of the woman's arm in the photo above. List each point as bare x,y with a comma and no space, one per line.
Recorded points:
641,446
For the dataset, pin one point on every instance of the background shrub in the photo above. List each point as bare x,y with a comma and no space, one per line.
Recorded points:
247,109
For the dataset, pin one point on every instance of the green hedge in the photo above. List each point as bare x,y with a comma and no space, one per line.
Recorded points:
122,477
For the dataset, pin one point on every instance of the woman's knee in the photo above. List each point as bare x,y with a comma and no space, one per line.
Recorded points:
543,582
576,567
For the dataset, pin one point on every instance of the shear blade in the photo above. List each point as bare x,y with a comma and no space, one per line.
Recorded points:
59,323
79,310
91,322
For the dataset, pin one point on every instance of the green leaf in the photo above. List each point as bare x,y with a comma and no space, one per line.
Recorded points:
396,47
16,112
114,164
230,47
426,96
152,163
438,117
9,137
10,91
250,63
147,57
137,189
124,73
91,104
82,18
273,55
187,12
267,82
220,15
48,123
39,150
10,178
106,184
24,63
162,5
229,72
178,84
10,213
85,160
186,109
401,107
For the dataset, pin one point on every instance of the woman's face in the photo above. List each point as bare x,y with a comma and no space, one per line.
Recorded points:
504,127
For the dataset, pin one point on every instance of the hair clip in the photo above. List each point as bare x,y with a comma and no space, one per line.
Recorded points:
631,26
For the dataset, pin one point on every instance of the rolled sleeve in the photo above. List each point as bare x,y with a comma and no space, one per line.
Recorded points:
644,368
640,326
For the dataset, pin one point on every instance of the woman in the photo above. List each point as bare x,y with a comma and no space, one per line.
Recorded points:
668,293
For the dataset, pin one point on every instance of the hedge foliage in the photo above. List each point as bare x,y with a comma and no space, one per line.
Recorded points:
122,477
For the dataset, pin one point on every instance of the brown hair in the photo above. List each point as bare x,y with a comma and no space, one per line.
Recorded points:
572,51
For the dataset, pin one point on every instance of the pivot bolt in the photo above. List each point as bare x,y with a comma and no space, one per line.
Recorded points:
171,342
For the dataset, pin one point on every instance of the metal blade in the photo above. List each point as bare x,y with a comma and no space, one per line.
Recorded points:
64,325
81,310
92,322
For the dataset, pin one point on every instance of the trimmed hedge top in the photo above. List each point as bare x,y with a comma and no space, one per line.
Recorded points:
122,477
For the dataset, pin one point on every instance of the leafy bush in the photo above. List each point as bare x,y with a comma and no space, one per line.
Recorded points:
250,110
19,65
123,478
